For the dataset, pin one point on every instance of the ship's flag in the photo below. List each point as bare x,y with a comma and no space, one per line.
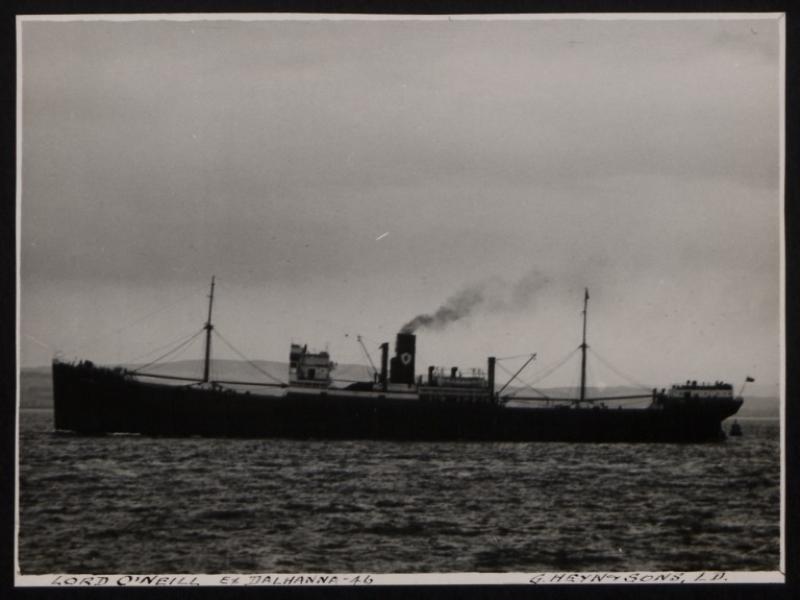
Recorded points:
587,293
749,379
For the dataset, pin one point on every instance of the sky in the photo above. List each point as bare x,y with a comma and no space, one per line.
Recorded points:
340,178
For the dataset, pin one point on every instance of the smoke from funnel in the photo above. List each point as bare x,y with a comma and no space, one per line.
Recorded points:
486,297
454,308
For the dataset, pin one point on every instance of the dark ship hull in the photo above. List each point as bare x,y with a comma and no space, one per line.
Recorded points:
397,405
97,400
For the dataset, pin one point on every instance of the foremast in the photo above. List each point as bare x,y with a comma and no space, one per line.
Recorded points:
584,347
209,328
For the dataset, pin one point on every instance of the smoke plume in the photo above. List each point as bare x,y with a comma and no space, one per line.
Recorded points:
489,296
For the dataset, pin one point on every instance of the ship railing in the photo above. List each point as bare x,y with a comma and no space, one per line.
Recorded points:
310,383
196,380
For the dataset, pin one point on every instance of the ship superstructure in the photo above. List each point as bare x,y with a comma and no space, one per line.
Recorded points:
312,369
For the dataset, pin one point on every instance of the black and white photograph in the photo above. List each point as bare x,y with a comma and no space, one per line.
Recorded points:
330,299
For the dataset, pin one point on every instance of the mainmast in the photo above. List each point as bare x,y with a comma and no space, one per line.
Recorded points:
208,328
583,347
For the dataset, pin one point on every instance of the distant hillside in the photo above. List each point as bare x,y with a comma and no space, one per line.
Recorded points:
760,407
37,386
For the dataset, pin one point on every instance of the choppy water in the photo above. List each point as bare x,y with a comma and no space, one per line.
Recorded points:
128,504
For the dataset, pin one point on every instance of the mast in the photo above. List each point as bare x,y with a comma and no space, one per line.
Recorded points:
583,347
208,328
384,379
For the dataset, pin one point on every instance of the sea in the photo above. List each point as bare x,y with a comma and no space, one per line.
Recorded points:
134,504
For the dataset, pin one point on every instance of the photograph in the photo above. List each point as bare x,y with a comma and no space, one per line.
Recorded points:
359,299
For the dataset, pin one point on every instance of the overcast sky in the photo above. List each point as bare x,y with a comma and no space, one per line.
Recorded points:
340,178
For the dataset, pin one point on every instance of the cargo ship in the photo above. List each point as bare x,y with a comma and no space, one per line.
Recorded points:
396,404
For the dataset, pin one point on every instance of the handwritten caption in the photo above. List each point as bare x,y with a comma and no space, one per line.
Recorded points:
665,577
634,577
191,580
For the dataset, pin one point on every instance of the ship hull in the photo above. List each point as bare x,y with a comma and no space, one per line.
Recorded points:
91,400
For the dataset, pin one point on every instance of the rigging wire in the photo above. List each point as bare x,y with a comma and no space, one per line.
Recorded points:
513,357
135,322
247,360
162,347
625,377
518,378
543,375
166,354
180,352
556,367
517,372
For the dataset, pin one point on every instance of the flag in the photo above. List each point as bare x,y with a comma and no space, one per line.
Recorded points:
749,379
587,294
